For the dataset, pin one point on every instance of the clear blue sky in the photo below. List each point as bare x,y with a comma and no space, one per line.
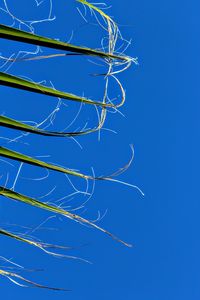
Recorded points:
161,120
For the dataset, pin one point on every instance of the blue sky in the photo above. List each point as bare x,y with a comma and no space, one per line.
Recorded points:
161,120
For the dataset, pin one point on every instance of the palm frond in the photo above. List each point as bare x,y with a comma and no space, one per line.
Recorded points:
5,152
14,124
14,34
33,202
15,278
23,84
